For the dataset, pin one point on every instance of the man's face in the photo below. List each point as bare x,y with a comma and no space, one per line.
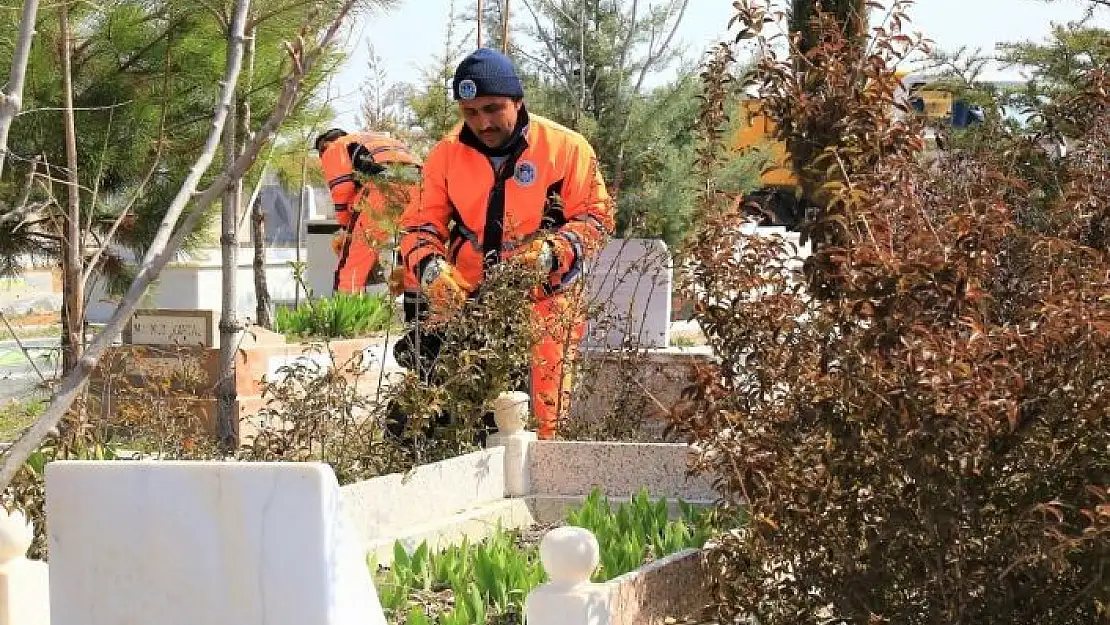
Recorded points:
491,118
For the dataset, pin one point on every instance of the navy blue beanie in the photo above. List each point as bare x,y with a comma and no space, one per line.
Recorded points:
486,72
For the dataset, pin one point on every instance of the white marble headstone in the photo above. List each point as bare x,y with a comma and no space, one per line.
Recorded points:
631,282
192,543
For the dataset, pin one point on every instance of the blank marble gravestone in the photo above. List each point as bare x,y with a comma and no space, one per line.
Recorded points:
202,543
630,281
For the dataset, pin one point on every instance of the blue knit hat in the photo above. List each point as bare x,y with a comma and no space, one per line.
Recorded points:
486,72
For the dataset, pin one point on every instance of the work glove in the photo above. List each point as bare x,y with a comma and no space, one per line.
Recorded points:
546,254
444,287
538,255
338,242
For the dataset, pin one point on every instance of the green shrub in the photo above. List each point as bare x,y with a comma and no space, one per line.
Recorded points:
489,581
16,416
343,315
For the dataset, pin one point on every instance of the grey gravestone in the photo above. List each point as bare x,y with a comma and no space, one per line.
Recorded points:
629,285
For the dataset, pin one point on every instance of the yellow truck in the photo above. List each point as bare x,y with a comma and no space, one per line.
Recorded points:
777,201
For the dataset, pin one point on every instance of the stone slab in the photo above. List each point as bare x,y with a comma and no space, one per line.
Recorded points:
314,365
171,327
387,506
675,587
185,543
632,392
631,280
475,524
571,468
548,509
24,593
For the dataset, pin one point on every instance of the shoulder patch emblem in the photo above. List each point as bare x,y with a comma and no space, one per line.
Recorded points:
525,173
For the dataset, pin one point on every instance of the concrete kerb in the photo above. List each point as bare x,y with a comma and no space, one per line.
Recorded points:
510,487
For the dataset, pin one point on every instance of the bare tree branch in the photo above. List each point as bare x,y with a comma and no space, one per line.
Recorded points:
54,109
23,208
11,98
654,57
22,348
87,227
170,235
155,259
537,60
623,57
245,210
563,74
73,310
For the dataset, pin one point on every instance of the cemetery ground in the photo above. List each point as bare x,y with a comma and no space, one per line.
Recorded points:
311,395
22,391
424,530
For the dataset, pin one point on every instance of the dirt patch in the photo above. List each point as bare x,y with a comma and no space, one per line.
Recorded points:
35,319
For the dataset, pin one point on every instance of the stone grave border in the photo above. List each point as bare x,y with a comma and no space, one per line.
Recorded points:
517,481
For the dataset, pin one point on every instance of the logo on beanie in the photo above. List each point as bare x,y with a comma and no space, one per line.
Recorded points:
468,90
525,173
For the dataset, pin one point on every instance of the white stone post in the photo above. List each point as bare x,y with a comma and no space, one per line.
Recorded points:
510,412
24,584
569,555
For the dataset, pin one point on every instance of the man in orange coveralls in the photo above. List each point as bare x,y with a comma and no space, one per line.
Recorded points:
350,161
507,186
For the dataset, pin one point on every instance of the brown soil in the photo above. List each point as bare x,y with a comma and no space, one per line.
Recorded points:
41,319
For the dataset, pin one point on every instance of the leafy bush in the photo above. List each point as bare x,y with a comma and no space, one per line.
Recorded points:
16,415
639,530
28,490
343,315
919,423
319,409
489,581
485,349
122,410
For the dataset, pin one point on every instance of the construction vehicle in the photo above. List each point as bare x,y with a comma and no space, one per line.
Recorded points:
778,200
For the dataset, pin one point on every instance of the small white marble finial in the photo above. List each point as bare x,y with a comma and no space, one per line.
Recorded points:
570,555
16,534
510,411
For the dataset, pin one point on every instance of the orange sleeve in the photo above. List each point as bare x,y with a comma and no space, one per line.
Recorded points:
589,212
341,183
425,224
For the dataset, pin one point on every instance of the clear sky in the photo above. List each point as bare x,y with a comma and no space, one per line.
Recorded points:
409,36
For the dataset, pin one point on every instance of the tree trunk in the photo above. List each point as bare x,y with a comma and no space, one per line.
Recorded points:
11,97
73,297
299,270
579,110
226,413
261,288
505,29
479,24
258,227
850,14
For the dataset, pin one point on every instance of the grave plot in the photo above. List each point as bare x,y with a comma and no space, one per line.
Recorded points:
236,542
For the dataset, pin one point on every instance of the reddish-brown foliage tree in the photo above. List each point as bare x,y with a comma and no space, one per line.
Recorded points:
920,425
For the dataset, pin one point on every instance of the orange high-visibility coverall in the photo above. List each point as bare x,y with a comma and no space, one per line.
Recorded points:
360,208
472,216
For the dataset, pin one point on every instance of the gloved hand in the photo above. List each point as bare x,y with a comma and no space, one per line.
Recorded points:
339,241
445,288
539,254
